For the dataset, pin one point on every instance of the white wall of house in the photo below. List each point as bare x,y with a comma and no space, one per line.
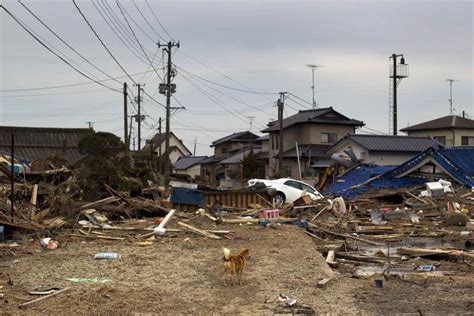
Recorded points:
192,171
379,158
176,153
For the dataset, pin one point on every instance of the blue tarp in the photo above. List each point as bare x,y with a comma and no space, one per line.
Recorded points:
187,196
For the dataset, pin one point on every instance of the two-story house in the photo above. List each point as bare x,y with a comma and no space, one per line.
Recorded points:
229,152
451,130
315,131
177,148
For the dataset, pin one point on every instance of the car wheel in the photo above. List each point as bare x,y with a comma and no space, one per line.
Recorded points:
279,198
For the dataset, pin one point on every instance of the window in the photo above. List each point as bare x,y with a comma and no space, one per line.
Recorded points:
441,139
328,138
275,142
467,141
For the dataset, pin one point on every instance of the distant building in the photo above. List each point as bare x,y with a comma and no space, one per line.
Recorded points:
451,130
190,165
315,131
383,150
44,143
176,147
224,168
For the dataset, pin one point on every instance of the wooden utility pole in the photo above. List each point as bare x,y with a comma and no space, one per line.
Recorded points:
159,145
125,120
12,179
281,105
168,93
139,116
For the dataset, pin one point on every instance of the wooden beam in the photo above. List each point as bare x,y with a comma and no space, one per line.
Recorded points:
199,231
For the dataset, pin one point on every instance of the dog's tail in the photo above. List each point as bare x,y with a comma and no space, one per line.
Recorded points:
226,253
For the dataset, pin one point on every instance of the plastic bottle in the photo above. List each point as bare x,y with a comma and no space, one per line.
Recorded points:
106,255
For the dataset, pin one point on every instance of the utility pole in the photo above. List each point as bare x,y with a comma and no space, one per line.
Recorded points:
281,105
195,141
168,92
451,110
139,115
397,77
90,124
125,120
159,145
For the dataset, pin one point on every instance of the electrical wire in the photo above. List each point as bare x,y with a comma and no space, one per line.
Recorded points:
144,18
65,43
50,50
70,85
100,40
157,20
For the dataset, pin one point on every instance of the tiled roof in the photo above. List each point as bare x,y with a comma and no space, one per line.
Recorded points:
450,121
321,116
308,151
388,143
356,181
241,137
457,162
34,143
186,162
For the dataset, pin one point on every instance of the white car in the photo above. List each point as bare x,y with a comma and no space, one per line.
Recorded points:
288,190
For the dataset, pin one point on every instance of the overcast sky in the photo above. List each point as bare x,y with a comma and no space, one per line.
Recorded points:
259,46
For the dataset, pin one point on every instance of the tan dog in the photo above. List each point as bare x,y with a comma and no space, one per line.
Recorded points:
235,265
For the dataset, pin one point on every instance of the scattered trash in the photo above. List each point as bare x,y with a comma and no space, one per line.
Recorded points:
107,255
426,268
285,300
88,280
49,243
378,283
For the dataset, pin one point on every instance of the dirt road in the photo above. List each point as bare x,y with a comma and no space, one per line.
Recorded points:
179,274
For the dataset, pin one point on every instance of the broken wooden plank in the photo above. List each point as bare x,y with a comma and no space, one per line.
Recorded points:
323,283
345,235
199,231
44,297
422,252
98,236
330,258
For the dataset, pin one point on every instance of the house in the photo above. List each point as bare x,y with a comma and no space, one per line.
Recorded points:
452,163
54,145
451,130
176,147
233,143
315,131
383,150
224,167
189,165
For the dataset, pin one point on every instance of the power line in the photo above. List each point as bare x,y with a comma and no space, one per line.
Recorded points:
100,40
70,85
48,94
115,29
139,11
294,95
50,50
65,43
224,86
157,20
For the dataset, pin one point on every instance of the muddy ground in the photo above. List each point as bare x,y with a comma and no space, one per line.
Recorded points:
179,274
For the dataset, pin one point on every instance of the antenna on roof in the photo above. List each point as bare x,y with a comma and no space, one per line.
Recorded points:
313,68
250,122
451,109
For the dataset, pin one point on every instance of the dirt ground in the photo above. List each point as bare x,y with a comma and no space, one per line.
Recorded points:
179,274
